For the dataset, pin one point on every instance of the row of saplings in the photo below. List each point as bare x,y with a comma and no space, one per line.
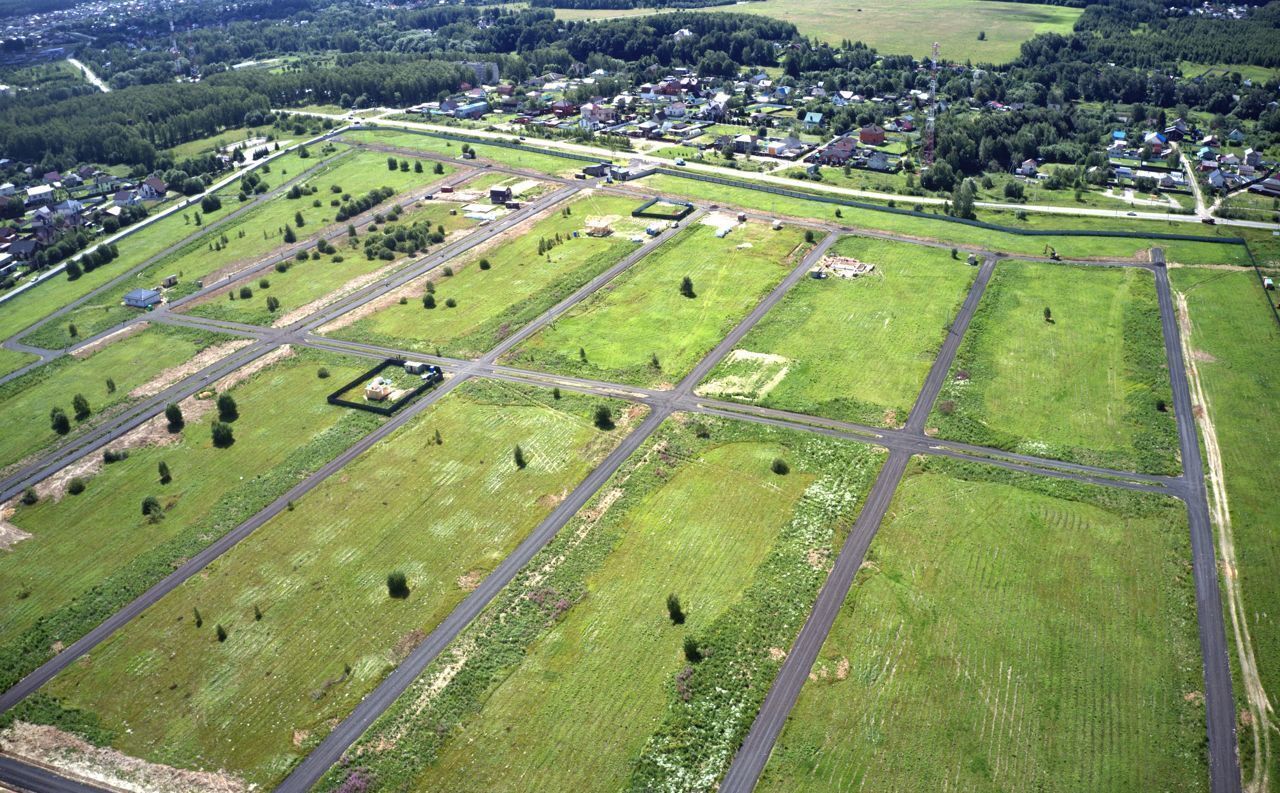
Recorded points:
220,432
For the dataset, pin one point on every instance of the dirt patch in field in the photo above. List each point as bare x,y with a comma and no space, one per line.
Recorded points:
719,221
842,669
80,759
173,374
470,580
407,642
817,558
110,338
552,500
777,653
300,737
10,535
769,370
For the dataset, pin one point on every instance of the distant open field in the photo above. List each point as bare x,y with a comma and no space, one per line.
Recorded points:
443,514
642,314
549,164
1086,385
855,349
26,402
576,679
1237,356
903,28
54,591
1008,633
520,284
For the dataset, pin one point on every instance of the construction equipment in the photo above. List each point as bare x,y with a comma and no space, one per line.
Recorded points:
1052,252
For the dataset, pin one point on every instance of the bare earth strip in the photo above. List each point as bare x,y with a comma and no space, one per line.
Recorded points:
49,746
1260,710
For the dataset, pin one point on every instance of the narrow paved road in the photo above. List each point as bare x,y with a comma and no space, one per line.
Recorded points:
93,79
1224,761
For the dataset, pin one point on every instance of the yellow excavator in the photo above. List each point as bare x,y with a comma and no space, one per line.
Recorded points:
1052,252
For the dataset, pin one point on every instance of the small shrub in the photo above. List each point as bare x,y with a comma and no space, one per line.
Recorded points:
173,414
227,409
519,457
555,392
428,301
450,303
257,613
691,652
29,496
686,287
674,609
397,585
151,507
779,466
76,486
165,476
484,264
322,373
447,270
245,293
221,632
603,418
222,435
273,304
59,422
263,283
81,407
112,456
195,612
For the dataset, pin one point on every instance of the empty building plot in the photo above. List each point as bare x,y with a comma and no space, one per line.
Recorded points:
856,339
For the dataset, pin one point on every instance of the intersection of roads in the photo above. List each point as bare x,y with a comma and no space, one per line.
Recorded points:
901,443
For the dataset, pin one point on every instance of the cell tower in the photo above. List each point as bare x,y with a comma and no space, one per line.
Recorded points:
927,155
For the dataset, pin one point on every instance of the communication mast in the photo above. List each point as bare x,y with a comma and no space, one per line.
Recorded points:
927,154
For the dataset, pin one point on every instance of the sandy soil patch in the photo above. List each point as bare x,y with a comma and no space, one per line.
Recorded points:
10,535
719,221
80,759
769,372
119,335
173,374
777,653
842,669
470,580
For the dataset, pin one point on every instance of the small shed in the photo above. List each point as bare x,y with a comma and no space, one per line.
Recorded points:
499,195
378,389
142,298
169,280
414,367
599,229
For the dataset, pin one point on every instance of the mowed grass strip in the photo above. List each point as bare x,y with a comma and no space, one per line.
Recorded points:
577,677
1087,384
523,281
617,333
12,360
443,513
26,401
1237,355
856,349
1008,633
305,281
49,579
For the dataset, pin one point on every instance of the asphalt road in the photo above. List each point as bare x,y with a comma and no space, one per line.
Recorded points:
902,444
35,779
318,762
1220,715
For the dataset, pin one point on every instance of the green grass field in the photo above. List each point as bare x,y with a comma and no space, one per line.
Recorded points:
54,591
572,679
520,284
643,314
1073,247
1008,633
248,236
443,514
1086,386
855,349
1235,338
308,281
518,158
11,360
25,402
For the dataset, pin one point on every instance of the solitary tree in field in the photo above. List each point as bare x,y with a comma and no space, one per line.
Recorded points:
780,467
484,264
1048,315
111,386
257,613
165,476
686,287
221,632
173,414
227,409
59,422
72,330
151,507
653,360
428,301
222,435
289,236
195,612
519,455
582,354
272,304
439,440
674,610
603,418
439,168
81,407
555,392
29,496
397,585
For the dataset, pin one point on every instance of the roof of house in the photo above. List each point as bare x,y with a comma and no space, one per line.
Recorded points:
138,295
